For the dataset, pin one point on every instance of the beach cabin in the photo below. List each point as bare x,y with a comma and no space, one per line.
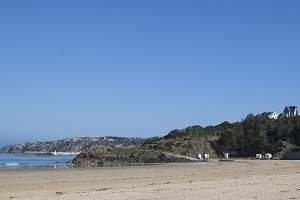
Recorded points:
200,156
258,156
268,156
206,156
226,155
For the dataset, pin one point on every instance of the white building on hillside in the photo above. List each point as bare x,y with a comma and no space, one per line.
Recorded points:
290,111
55,153
270,115
273,115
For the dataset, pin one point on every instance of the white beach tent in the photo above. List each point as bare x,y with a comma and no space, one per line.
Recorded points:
200,156
258,156
268,156
226,155
206,156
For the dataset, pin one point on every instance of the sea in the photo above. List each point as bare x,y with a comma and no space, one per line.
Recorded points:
34,161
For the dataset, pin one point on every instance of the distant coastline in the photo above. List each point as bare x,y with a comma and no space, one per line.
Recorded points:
29,160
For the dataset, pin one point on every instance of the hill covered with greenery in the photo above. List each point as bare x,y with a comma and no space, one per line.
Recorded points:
259,134
242,139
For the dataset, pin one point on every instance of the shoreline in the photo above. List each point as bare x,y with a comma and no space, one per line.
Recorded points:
69,165
242,179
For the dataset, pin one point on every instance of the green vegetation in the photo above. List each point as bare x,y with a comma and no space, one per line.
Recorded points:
260,134
246,138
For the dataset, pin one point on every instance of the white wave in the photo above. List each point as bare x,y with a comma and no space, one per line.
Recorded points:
12,164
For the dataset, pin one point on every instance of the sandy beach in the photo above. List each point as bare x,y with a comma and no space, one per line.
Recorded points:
242,179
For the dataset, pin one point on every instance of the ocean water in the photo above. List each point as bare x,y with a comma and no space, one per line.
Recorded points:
21,160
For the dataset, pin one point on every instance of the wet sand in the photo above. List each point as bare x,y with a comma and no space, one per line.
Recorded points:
242,179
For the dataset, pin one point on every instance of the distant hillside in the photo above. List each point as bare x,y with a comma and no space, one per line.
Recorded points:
243,139
71,144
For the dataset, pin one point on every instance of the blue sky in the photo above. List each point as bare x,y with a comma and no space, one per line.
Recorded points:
142,68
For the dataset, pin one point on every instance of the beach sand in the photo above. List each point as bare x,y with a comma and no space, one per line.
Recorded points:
242,179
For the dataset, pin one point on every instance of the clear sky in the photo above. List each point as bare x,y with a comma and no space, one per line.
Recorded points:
142,68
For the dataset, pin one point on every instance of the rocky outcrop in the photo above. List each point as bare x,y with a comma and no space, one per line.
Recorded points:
72,144
103,156
286,151
188,142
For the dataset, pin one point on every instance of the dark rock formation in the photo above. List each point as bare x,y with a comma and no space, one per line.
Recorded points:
284,151
103,156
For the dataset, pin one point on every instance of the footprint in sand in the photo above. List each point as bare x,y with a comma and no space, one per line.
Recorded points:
59,193
102,189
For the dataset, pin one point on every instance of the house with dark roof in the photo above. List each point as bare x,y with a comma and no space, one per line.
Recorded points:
290,111
270,115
